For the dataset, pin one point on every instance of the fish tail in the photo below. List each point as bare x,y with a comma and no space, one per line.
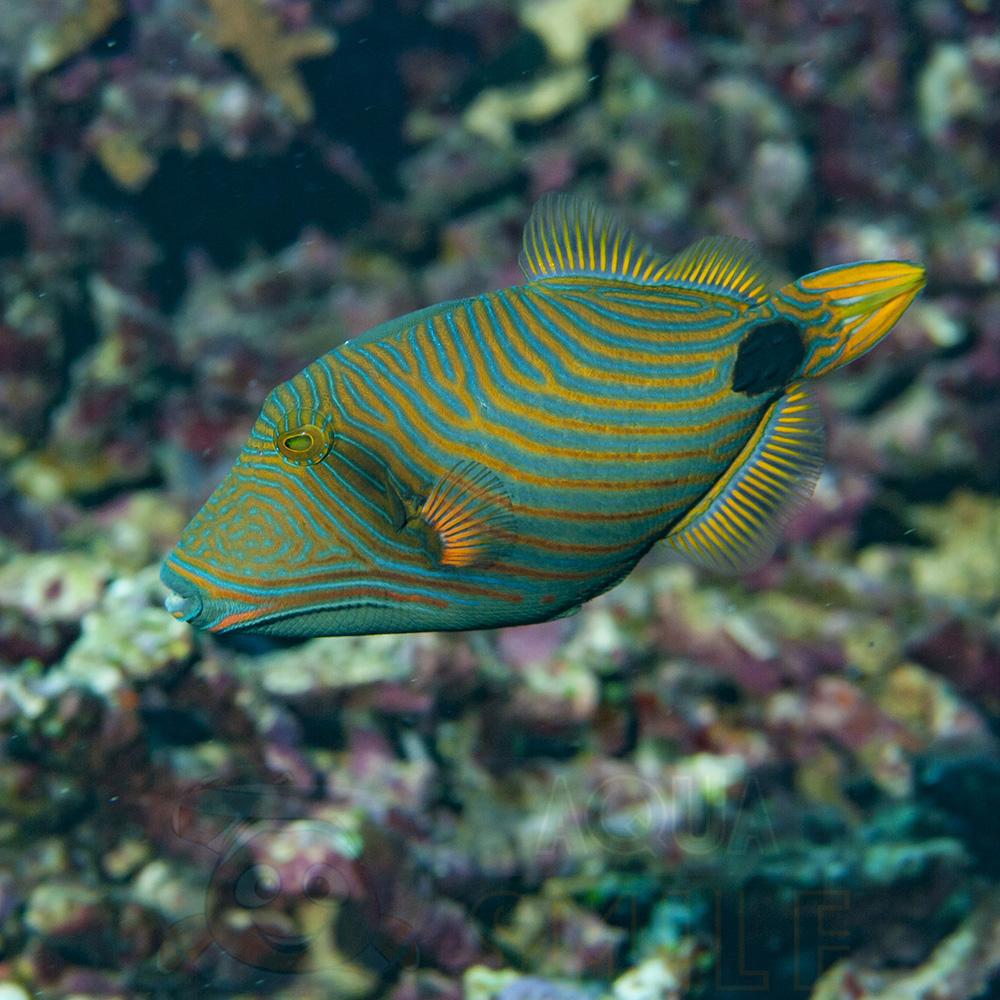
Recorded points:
846,310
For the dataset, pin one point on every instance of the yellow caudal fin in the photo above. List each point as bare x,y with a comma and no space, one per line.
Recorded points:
846,310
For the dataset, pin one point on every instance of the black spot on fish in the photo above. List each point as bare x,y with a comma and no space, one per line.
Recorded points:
769,357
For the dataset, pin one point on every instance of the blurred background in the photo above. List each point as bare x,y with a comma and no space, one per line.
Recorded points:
785,784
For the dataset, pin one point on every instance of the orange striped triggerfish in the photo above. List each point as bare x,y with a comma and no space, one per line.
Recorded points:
499,460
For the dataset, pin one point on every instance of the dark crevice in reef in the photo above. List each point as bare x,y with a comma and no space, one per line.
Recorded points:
882,524
230,206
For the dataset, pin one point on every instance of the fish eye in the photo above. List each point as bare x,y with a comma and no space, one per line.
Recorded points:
302,441
305,437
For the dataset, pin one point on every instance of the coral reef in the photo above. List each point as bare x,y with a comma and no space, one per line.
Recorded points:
254,32
786,783
56,30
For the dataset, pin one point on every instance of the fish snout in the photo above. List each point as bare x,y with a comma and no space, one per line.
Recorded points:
183,600
183,607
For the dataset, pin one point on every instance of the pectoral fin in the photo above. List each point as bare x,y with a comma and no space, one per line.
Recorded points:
737,524
469,516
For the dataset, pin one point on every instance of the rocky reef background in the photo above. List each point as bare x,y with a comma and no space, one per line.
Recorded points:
786,785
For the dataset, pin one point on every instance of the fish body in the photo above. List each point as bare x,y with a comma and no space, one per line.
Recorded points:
501,459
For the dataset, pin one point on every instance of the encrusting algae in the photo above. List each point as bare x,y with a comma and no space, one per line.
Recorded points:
254,33
124,157
495,112
82,23
566,27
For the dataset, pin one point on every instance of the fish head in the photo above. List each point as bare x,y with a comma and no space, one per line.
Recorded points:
301,536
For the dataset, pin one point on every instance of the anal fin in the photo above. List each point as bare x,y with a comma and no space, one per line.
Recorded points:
736,525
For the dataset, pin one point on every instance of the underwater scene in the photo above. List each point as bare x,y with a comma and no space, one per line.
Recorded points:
499,499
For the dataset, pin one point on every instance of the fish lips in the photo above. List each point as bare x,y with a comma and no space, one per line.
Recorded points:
183,603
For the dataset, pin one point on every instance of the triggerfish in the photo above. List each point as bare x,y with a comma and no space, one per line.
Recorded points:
501,459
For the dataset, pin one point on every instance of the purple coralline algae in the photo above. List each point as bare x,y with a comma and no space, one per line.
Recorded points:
695,786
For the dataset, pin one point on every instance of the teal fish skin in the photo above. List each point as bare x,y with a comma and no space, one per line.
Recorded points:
501,459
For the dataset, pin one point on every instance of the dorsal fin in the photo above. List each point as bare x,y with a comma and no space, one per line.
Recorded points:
567,235
720,264
736,525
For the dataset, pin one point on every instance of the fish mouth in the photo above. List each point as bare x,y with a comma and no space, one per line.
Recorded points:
183,608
